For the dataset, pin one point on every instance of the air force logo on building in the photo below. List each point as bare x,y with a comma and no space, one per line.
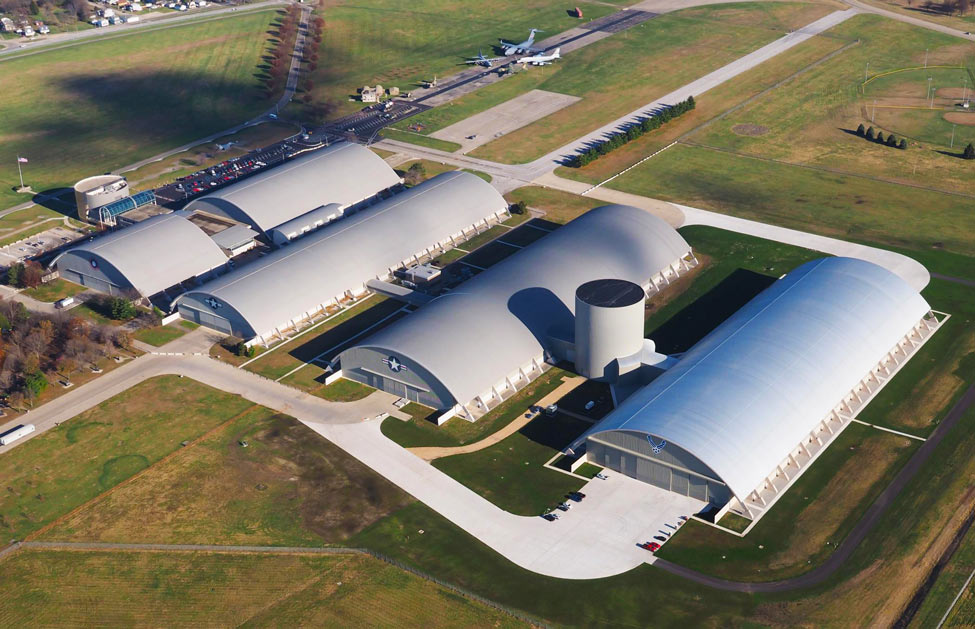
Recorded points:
213,303
656,447
394,364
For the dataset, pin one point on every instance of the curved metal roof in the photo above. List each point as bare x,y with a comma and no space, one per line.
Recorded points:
748,393
496,322
156,253
344,173
309,218
345,254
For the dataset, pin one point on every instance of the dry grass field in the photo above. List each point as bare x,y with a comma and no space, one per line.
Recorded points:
286,487
153,589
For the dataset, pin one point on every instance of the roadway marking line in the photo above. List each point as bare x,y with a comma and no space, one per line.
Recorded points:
473,266
626,170
896,432
351,338
505,242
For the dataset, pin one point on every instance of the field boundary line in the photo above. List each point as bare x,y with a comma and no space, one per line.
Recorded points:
30,537
270,550
955,600
891,430
832,171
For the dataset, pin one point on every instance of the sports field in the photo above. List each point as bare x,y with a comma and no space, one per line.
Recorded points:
86,109
622,73
810,120
403,45
177,589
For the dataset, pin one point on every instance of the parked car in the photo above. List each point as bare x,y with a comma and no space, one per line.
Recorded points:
651,546
660,538
551,409
551,517
576,496
563,506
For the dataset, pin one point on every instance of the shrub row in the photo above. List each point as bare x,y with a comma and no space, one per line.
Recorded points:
878,137
632,132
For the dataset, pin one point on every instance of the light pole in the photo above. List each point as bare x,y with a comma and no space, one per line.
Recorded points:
925,57
952,145
929,92
865,72
873,115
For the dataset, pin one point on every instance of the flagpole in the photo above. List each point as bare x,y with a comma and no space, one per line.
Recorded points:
20,172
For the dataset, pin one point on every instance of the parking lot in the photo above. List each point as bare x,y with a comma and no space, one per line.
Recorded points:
38,244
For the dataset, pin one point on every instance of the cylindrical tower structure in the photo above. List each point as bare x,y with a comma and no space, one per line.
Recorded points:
94,192
608,326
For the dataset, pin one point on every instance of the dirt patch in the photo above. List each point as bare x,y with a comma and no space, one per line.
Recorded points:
933,393
953,92
961,117
818,522
750,129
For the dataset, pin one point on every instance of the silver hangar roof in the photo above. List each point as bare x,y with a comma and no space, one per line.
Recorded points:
497,322
345,254
748,393
344,173
152,255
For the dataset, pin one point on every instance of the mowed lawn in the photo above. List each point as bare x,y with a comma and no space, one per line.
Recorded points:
286,487
626,71
403,44
843,206
174,589
63,468
810,119
86,109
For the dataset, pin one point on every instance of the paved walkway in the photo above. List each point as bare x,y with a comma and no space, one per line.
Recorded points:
431,453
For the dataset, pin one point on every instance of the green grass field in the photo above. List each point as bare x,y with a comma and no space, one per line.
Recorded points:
808,120
511,474
54,291
419,432
387,42
843,206
419,140
162,334
177,589
622,73
286,487
63,468
95,107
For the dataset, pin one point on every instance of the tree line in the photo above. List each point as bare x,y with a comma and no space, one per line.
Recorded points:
878,137
35,347
632,132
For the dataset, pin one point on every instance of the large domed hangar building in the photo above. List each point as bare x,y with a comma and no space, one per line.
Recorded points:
747,409
473,347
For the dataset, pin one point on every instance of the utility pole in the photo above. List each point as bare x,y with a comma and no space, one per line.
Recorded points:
873,116
865,72
925,57
929,93
952,145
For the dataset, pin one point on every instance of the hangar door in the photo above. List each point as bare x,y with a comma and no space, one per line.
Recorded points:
91,282
207,319
396,387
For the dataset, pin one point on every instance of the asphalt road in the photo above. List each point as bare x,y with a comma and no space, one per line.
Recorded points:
151,22
866,524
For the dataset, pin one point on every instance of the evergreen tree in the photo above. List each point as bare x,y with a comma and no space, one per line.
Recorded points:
880,137
969,151
861,131
870,134
891,140
903,145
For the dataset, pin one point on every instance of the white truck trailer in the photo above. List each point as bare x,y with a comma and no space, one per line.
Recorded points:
15,434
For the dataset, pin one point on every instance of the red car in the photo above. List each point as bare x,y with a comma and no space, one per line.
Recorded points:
651,546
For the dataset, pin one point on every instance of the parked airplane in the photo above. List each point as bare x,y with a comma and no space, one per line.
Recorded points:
481,60
542,60
525,46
